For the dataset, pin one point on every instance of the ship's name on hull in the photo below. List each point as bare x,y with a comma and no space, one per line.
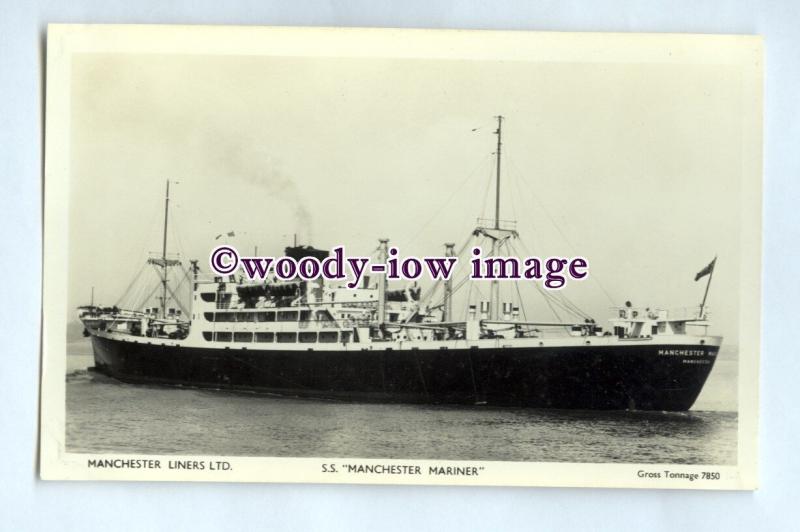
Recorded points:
682,353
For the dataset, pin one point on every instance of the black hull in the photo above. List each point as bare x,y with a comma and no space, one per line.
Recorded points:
619,377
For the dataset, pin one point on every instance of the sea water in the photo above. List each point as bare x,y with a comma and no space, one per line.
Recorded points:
104,415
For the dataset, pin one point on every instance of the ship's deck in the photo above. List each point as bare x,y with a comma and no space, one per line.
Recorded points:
374,345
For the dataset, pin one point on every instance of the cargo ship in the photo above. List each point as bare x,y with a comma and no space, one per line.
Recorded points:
320,339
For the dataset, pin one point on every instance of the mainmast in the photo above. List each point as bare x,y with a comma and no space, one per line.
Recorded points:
164,257
496,230
499,134
494,299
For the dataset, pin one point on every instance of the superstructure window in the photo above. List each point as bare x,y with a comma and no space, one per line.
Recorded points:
207,335
305,315
222,337
265,316
245,317
242,337
225,317
346,336
265,337
287,315
308,337
208,297
328,337
287,337
209,316
224,300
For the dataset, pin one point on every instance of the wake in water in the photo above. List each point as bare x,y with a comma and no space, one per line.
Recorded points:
90,376
79,375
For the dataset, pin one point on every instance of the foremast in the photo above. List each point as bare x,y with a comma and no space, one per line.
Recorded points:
162,264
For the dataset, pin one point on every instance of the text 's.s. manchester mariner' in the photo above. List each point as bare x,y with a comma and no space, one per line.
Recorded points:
317,338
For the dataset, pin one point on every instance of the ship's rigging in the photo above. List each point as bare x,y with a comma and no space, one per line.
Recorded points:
172,291
455,299
501,238
498,236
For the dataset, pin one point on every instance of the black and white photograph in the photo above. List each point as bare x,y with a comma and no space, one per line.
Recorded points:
402,256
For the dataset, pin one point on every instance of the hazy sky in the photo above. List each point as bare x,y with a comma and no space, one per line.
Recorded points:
637,164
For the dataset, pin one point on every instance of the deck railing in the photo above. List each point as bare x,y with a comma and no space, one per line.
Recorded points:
675,313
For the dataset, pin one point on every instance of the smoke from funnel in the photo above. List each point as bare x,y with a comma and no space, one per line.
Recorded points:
258,168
